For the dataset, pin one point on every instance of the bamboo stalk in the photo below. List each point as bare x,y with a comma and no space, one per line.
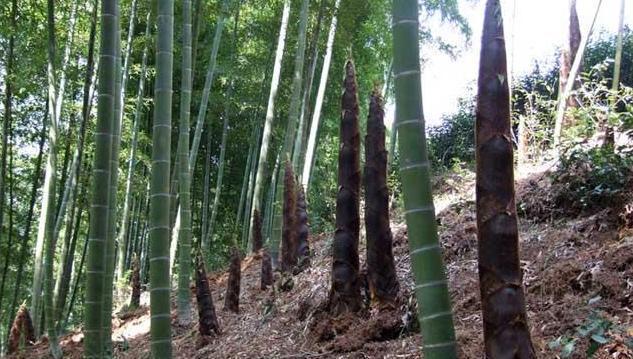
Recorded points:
434,307
299,146
99,212
316,116
159,228
184,234
48,204
270,112
132,162
110,252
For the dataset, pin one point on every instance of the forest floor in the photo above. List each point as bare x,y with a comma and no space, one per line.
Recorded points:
578,274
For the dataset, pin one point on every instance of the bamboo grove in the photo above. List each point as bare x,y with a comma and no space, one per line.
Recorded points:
136,201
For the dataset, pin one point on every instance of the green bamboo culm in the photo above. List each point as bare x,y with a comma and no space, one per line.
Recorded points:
262,159
297,80
208,82
202,110
159,231
293,119
49,257
201,119
99,212
122,236
225,133
110,251
272,225
138,112
184,233
246,177
434,306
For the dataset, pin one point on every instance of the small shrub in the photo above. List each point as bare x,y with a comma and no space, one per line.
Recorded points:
596,330
454,140
591,178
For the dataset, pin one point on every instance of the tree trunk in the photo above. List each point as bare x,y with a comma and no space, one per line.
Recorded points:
206,240
506,333
135,300
134,233
276,221
7,151
232,297
569,86
208,227
381,270
159,227
204,228
197,15
144,249
127,241
67,181
286,189
71,188
202,112
615,85
55,100
99,212
299,147
246,179
248,205
393,134
10,229
61,291
225,132
567,57
207,319
270,113
345,291
268,217
184,235
61,87
110,249
220,176
80,268
297,82
133,147
609,135
434,307
126,62
48,203
568,54
246,221
316,116
60,208
49,177
6,128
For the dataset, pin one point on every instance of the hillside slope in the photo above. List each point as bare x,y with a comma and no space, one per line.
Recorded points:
578,273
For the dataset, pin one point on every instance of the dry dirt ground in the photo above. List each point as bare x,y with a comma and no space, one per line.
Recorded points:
578,274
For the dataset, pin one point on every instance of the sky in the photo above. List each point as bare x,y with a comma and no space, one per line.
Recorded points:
537,27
